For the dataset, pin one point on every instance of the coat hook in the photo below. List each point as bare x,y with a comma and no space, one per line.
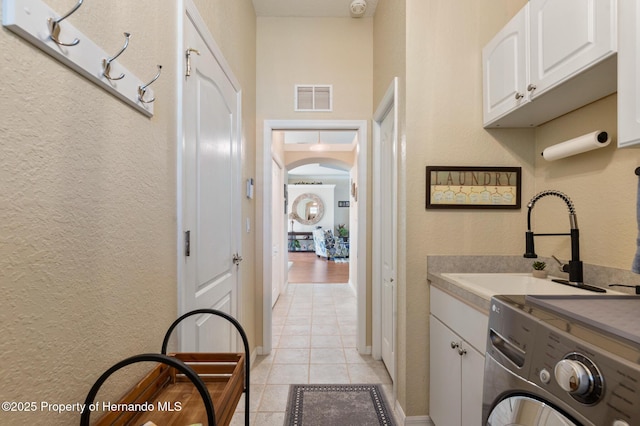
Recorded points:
142,90
54,26
106,63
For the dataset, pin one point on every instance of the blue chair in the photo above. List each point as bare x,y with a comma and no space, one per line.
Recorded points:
327,245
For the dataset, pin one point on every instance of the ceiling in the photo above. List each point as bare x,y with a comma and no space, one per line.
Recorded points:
319,170
319,140
309,8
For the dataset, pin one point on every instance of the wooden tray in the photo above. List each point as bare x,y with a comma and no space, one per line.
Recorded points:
175,399
183,389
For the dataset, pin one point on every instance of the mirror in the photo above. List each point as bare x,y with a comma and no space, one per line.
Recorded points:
307,209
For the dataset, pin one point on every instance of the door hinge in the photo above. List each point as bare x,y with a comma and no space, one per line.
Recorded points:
237,259
187,243
189,52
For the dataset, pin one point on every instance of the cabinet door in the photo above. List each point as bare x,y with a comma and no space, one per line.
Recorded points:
472,383
628,73
567,37
506,68
445,375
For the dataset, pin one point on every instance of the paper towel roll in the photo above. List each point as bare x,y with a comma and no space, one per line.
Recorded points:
584,143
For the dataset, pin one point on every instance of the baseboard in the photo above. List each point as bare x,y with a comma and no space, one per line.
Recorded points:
418,421
352,286
366,351
413,420
254,355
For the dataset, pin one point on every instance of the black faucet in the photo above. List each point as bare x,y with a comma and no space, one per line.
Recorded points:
575,265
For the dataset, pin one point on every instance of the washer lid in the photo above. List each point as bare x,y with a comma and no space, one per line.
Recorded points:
615,315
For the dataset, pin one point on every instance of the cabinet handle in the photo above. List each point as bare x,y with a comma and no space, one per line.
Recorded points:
454,345
519,96
531,87
462,351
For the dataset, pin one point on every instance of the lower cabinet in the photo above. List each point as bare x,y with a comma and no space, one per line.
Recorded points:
456,366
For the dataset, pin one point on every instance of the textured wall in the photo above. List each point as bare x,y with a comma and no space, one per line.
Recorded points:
601,184
87,209
87,236
443,119
335,51
444,127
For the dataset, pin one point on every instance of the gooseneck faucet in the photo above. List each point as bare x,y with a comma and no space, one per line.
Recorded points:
575,265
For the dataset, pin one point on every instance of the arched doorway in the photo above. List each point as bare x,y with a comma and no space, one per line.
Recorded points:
319,249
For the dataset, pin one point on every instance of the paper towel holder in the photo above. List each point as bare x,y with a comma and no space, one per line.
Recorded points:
577,145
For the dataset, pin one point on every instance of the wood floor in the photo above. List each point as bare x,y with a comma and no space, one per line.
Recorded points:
309,268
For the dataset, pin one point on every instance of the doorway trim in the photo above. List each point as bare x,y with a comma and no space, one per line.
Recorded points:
361,263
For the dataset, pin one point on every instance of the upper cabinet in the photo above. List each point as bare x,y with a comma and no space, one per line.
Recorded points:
505,63
628,74
551,58
568,37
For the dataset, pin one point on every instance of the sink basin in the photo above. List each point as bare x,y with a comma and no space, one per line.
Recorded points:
490,284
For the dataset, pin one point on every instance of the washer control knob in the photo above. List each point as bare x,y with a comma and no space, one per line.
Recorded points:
573,376
545,376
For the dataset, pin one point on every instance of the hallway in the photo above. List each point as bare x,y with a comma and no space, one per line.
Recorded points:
314,340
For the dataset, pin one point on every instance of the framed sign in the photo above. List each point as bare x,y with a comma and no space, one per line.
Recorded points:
450,187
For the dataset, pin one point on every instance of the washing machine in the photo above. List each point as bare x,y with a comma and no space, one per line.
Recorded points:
562,361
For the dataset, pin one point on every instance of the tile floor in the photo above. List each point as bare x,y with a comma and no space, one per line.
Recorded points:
314,341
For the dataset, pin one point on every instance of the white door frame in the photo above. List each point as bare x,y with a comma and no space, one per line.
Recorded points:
188,8
361,262
390,100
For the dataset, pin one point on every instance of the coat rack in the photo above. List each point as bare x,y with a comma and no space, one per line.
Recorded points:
51,32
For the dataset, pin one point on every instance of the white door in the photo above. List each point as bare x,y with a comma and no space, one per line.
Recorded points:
277,231
387,238
211,195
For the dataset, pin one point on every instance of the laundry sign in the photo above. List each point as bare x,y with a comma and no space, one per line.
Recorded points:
450,187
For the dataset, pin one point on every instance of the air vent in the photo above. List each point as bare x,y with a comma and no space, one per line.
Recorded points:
313,97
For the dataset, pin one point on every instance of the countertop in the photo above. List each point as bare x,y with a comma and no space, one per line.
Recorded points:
478,288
